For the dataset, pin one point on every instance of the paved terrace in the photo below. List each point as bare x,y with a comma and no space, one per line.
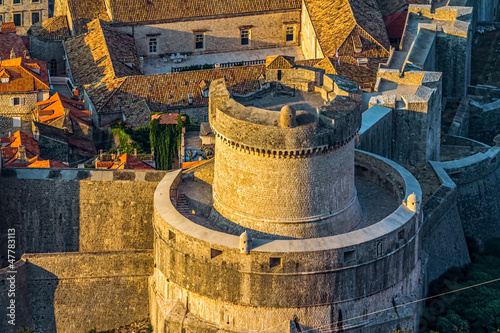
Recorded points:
159,66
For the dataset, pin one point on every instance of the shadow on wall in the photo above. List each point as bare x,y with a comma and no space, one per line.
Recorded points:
42,289
43,213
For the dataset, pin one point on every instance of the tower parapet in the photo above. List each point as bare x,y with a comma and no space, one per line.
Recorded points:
287,173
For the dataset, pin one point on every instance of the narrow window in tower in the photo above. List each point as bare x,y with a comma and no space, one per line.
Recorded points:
171,236
275,262
215,253
349,256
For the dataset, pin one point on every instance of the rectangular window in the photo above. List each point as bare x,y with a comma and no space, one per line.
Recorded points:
35,0
199,41
16,1
1,16
16,101
290,34
16,122
275,262
35,17
205,118
5,80
153,45
245,37
17,19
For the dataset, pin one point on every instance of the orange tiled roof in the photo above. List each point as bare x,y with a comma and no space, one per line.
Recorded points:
23,77
8,28
54,28
164,91
84,11
9,42
101,54
124,162
341,24
10,146
160,10
47,164
51,111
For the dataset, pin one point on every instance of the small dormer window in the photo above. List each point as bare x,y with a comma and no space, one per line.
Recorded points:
5,80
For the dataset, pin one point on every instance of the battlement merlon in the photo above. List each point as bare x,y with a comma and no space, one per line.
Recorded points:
333,125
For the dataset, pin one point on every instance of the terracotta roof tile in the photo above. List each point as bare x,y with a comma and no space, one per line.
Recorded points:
54,28
51,111
159,10
124,162
101,54
276,62
22,75
8,28
10,148
341,23
164,91
84,11
9,42
363,76
48,164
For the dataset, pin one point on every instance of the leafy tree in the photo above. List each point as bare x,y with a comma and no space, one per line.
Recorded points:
165,140
452,323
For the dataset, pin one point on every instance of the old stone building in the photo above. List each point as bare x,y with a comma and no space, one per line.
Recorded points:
64,130
24,82
24,13
47,43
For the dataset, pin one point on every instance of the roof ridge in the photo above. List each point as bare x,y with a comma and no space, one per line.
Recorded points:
32,74
99,21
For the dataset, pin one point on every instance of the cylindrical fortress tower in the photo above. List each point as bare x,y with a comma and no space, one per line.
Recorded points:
288,173
271,238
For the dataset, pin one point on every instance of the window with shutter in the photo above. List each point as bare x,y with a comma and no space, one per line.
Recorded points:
23,101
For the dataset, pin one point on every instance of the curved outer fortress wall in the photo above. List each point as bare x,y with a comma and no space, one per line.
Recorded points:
288,173
208,280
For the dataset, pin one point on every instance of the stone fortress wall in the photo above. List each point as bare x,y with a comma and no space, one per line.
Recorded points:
257,285
94,230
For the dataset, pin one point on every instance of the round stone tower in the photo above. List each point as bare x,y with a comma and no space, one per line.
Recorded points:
287,173
275,237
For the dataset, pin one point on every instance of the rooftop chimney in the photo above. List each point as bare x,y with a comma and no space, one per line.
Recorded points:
26,54
12,54
21,153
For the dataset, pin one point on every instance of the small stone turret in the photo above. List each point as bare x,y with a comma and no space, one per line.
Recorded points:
288,117
412,203
245,243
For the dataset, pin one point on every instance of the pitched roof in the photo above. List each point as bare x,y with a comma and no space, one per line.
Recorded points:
166,118
10,146
125,161
340,23
54,28
48,164
9,42
363,76
51,111
84,11
279,61
160,10
102,54
23,75
8,28
164,91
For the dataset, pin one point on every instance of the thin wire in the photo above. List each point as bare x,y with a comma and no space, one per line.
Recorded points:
401,305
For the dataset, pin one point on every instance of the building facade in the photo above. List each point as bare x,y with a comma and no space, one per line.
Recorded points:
24,13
